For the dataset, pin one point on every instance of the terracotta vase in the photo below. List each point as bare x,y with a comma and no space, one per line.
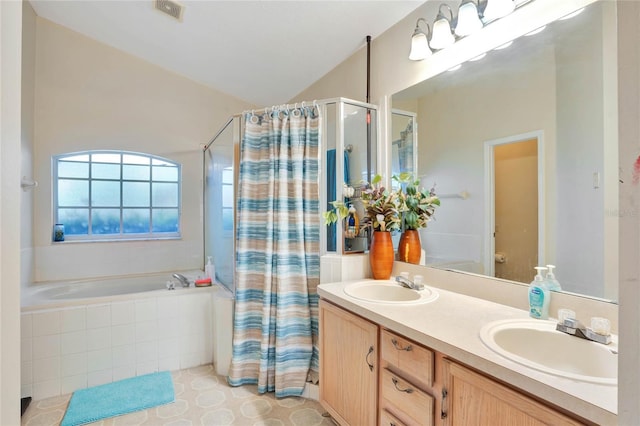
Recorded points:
409,247
381,255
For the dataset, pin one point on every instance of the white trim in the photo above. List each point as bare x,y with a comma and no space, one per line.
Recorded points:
489,190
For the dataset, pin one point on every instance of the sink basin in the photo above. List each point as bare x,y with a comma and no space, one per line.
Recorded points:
386,291
537,344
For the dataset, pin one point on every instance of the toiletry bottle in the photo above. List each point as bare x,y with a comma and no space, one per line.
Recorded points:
539,296
210,270
552,282
352,223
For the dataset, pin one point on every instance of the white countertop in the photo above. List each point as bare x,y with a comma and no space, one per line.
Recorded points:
451,325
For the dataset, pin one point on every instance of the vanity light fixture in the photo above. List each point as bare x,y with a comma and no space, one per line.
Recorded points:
442,36
468,18
472,16
496,9
419,42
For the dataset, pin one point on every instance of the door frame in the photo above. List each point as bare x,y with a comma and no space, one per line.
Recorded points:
489,190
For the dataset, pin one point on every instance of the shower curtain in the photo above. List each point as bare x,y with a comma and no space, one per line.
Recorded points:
278,256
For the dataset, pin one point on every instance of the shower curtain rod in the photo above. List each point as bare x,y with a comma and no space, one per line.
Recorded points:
287,106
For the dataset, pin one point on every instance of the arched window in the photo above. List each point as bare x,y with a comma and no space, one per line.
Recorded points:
105,195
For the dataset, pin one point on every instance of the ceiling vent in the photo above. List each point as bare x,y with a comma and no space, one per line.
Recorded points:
171,8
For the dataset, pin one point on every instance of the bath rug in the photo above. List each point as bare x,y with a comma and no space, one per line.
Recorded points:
117,398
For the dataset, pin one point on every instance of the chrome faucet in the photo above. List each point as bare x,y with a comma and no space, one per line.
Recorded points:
575,328
406,282
183,280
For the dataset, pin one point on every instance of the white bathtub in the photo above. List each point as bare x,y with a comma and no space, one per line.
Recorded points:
85,333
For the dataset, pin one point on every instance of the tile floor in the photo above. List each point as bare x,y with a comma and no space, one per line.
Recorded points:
202,398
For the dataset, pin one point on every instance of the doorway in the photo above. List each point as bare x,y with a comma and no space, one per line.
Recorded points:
515,203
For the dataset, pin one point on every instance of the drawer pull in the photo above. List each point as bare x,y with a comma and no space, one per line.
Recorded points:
367,358
443,412
395,383
400,348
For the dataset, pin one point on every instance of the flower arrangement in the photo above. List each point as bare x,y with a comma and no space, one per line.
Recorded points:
417,207
380,208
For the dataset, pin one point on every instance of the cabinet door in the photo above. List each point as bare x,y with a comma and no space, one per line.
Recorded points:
348,366
474,399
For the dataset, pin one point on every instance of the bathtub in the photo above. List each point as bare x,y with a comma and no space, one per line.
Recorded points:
77,334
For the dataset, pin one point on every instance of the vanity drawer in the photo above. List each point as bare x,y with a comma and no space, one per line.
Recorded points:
408,357
388,419
405,401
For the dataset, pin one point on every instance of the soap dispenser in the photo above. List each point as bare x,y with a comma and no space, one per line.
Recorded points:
539,296
552,282
210,270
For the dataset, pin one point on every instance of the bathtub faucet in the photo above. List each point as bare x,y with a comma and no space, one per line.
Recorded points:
183,280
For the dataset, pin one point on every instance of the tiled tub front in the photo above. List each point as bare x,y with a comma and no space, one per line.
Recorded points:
88,343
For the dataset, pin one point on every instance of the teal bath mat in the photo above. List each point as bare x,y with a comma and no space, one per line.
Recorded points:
117,398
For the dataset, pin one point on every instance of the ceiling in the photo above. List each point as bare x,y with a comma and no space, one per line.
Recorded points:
263,52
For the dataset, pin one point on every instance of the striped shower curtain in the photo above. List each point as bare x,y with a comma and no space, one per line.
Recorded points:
278,262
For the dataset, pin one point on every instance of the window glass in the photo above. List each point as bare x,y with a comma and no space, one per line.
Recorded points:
73,193
136,221
165,220
72,169
105,171
164,195
135,194
113,194
105,193
105,221
131,172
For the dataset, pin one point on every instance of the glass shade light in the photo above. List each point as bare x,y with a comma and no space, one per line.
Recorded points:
498,8
468,19
419,43
441,35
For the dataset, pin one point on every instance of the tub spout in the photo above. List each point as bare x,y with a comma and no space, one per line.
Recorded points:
183,280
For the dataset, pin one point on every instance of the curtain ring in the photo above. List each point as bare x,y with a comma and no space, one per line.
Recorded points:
296,113
254,119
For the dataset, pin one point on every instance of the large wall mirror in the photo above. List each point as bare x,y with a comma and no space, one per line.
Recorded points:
522,147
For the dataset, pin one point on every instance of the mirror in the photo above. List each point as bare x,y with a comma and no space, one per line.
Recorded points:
557,88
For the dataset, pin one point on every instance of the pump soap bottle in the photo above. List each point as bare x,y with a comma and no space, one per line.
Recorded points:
539,296
552,282
210,270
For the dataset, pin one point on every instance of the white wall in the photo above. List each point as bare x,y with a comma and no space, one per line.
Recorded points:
91,96
10,94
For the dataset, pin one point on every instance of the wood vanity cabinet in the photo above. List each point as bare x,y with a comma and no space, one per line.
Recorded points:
474,399
413,384
348,366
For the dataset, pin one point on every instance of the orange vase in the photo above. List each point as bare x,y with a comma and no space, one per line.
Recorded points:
381,255
409,247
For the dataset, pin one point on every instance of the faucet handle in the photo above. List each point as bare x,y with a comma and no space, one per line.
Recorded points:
601,326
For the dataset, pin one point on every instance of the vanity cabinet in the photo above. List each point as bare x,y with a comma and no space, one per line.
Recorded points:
413,385
348,366
475,399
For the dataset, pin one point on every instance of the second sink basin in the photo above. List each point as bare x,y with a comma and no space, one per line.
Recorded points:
386,291
537,344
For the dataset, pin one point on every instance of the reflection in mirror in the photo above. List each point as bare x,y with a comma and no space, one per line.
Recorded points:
403,143
559,88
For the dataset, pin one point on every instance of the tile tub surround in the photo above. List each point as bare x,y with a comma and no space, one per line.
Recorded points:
90,343
451,325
